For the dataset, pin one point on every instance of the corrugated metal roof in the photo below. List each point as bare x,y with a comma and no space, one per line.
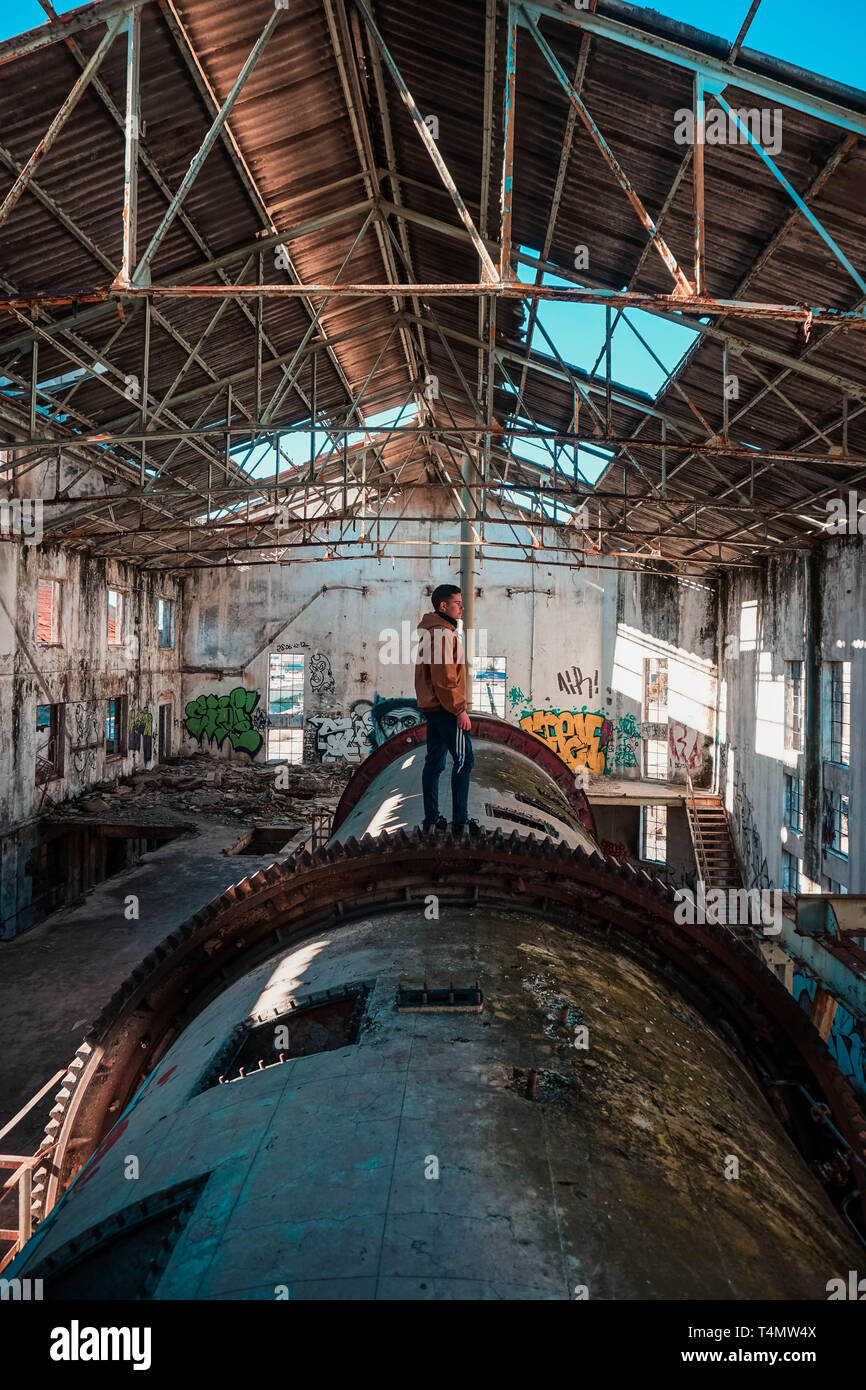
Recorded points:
312,138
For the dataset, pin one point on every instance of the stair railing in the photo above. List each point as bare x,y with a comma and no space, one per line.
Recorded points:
697,837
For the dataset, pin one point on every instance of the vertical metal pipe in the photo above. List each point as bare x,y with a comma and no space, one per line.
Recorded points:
259,317
607,382
698,182
507,190
130,151
145,376
467,547
34,376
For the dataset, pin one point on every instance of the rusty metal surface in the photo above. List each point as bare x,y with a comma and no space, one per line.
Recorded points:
485,728
292,126
338,885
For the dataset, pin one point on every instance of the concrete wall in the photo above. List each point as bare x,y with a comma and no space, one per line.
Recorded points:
574,643
809,609
80,672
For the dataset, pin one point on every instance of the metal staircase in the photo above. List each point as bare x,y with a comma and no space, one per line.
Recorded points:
715,855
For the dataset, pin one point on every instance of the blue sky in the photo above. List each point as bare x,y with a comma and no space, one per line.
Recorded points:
828,40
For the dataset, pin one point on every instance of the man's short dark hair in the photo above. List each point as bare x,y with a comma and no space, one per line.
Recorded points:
441,593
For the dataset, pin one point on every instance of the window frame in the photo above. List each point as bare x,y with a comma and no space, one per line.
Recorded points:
490,663
120,627
793,802
837,801
56,601
837,692
795,706
121,723
646,809
170,606
791,863
57,738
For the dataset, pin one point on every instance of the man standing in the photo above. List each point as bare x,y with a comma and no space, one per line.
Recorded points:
440,687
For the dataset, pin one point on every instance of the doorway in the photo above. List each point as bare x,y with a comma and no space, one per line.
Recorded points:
164,733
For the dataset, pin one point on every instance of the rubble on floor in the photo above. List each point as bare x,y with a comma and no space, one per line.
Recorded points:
226,791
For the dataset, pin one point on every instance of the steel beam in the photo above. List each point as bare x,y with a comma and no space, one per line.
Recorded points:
84,17
56,126
506,195
488,268
142,271
792,192
726,72
683,284
130,152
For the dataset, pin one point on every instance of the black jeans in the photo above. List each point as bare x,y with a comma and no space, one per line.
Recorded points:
443,737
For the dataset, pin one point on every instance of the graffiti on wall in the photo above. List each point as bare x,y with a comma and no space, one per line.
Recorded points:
87,737
684,745
847,1040
615,848
216,718
755,870
626,742
141,732
393,716
580,738
344,738
321,675
572,680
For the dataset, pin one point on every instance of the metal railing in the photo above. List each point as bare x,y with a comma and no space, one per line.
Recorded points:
22,1166
697,836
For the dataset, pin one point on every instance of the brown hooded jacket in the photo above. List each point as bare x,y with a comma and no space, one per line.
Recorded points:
440,670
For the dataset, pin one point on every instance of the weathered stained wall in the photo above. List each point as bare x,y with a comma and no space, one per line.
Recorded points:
810,609
574,643
81,672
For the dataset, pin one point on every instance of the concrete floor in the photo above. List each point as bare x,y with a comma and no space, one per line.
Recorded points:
56,978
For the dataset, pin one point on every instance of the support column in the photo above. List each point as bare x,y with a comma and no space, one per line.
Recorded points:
467,547
132,135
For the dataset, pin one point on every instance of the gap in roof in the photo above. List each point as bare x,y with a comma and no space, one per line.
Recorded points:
828,42
259,460
578,330
591,461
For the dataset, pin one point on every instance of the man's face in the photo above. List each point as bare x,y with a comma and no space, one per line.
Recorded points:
452,607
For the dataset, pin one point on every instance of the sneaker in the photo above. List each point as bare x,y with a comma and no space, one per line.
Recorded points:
429,825
473,826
